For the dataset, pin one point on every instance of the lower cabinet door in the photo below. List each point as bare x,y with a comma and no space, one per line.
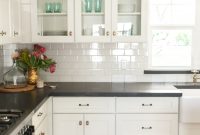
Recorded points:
147,124
99,124
42,128
67,124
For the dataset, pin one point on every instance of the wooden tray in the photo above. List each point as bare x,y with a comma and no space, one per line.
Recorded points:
28,88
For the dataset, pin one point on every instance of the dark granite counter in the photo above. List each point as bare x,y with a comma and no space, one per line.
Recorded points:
31,101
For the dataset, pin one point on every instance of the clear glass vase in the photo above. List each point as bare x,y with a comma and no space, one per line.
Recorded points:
14,78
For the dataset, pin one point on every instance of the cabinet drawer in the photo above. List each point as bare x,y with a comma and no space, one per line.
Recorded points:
83,105
147,105
39,115
147,124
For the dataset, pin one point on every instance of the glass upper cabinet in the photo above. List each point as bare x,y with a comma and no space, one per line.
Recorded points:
93,22
128,20
53,20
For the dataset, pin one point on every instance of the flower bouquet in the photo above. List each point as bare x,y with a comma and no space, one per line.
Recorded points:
32,61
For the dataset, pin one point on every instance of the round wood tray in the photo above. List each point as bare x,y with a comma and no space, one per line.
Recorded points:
27,88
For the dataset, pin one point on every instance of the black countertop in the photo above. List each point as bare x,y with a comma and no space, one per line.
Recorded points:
31,101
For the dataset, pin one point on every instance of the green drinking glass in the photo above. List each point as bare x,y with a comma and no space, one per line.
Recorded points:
88,5
97,6
57,7
49,7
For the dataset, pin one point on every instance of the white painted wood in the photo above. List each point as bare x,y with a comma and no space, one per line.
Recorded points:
43,128
142,26
99,124
16,21
189,129
147,105
79,25
39,115
83,105
5,15
26,23
147,124
49,116
189,110
59,39
70,124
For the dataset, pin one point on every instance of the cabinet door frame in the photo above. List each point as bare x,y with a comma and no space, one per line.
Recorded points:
134,38
16,21
78,24
6,25
92,119
146,124
77,118
53,39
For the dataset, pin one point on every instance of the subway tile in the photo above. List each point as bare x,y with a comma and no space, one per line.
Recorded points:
110,45
71,46
84,58
124,58
77,52
56,46
117,52
124,45
51,52
64,52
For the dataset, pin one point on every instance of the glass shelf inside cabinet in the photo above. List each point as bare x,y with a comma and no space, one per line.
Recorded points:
129,18
52,17
93,17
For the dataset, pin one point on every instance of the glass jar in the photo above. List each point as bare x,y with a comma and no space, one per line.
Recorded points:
14,78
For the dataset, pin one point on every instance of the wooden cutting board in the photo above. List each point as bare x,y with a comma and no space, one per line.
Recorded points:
27,88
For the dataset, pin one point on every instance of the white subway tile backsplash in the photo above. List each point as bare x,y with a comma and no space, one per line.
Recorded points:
96,62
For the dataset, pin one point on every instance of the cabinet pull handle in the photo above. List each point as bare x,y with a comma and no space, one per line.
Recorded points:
143,128
114,33
40,114
2,33
83,105
80,122
15,33
87,123
70,33
107,33
147,104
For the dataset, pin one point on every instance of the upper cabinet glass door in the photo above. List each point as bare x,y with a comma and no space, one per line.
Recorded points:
53,20
93,21
128,20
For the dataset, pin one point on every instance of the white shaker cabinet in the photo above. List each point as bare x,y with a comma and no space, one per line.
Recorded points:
116,21
84,124
16,21
99,124
10,21
147,124
71,124
52,21
5,21
83,115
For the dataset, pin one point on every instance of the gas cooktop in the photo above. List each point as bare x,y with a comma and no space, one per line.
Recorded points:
8,117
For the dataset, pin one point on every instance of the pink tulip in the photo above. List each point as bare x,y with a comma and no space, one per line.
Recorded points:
36,54
52,68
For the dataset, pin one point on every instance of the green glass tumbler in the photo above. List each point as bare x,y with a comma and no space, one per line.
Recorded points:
57,7
97,6
88,5
49,7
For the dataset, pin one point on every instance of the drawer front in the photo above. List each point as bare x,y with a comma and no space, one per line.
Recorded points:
147,124
39,115
147,105
83,105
